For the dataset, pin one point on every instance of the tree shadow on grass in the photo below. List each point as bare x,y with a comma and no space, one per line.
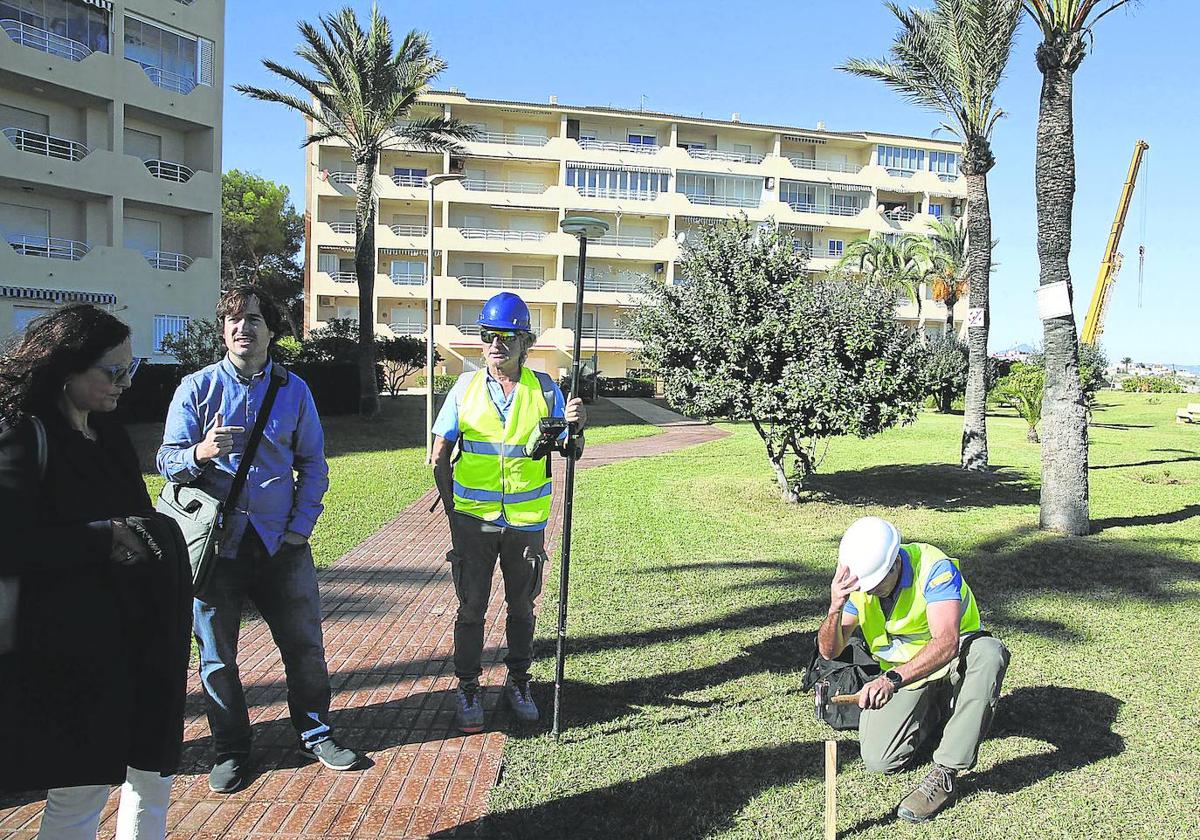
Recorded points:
693,800
943,487
1168,518
1155,463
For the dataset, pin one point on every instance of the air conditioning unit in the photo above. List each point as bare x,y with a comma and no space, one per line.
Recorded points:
659,268
324,300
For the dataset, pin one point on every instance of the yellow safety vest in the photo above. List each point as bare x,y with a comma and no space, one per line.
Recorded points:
896,640
493,477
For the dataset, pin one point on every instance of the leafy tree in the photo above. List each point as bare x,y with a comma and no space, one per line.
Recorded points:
401,356
361,91
337,341
1092,365
944,370
261,235
196,346
1126,361
950,59
1022,388
750,336
1066,28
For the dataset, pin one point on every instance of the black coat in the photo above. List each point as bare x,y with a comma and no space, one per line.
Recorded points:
99,674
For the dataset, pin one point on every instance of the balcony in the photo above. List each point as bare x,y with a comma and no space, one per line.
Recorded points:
341,227
45,144
507,235
476,185
501,282
406,329
343,177
718,154
168,171
826,209
48,247
408,181
344,276
166,79
627,240
824,165
611,284
468,329
617,193
501,138
607,146
411,279
617,333
409,230
721,200
167,260
39,39
899,214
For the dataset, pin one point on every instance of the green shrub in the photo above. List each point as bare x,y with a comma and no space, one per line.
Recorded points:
442,382
1152,385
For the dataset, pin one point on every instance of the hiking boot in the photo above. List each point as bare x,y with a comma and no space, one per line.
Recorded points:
470,711
331,754
516,693
935,792
228,774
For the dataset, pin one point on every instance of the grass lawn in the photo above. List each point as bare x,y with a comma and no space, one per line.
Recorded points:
696,594
377,467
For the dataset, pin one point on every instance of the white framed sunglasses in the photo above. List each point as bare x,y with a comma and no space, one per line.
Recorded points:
116,373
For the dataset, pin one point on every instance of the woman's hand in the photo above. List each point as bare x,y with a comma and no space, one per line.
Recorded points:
127,548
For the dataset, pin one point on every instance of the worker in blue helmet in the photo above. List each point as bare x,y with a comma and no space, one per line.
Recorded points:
497,498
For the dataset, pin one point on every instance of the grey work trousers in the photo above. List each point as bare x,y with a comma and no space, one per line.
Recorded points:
476,545
888,737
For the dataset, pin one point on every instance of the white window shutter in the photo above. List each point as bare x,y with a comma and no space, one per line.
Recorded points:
207,59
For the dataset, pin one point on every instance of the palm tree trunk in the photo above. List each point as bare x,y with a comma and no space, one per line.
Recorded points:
950,303
364,271
1064,502
979,269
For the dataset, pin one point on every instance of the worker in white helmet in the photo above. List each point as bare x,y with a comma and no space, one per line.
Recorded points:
921,624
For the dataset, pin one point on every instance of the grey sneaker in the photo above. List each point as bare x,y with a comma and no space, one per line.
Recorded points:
935,792
228,774
470,710
331,754
516,693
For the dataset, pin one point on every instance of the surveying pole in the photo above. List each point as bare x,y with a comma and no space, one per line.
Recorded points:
583,228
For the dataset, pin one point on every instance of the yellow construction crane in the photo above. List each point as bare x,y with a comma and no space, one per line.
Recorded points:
1093,325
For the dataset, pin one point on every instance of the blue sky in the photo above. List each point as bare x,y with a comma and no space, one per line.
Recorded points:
773,62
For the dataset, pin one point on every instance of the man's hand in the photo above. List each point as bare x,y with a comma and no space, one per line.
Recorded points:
876,693
844,582
575,413
218,441
292,538
127,547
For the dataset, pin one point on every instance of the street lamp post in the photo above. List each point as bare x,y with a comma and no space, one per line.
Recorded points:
434,180
583,228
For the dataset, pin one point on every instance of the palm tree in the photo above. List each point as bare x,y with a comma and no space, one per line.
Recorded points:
902,264
948,238
361,91
1066,27
1126,361
950,59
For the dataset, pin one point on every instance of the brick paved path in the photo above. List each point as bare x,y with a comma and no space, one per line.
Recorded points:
389,606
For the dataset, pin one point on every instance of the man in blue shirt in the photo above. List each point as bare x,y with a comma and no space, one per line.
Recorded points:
264,552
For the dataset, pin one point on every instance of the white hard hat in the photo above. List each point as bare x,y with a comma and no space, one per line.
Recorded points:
869,548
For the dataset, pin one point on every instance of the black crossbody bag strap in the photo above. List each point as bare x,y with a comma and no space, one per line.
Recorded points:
278,377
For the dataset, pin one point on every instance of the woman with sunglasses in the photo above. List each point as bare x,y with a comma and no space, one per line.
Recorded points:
94,629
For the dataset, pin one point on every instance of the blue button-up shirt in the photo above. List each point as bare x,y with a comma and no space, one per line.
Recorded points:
275,499
446,424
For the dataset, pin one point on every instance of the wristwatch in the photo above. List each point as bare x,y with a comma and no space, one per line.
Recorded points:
894,678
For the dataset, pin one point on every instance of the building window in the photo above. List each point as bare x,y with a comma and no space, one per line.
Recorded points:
80,22
699,145
643,139
944,163
836,247
901,160
410,173
798,195
603,182
408,269
178,61
165,325
936,210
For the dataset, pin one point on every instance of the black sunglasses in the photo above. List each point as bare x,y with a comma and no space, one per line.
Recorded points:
505,336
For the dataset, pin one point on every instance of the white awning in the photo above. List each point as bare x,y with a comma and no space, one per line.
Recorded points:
618,167
58,295
850,187
804,138
800,228
106,5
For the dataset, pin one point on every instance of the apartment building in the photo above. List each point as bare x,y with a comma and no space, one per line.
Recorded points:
653,177
110,164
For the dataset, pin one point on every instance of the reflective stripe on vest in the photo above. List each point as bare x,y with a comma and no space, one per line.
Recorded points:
897,640
493,477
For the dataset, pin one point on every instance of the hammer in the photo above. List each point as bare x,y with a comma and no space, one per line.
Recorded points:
822,699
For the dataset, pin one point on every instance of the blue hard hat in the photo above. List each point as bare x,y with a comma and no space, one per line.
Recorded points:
505,311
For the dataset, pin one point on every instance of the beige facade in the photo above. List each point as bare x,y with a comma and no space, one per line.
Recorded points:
652,177
110,164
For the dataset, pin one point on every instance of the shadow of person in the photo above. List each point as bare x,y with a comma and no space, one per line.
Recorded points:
692,800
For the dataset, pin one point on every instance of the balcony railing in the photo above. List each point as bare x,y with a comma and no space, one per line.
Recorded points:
501,282
946,176
167,260
406,329
505,186
408,279
720,154
510,235
618,193
611,284
900,214
45,144
343,177
722,200
511,139
409,180
48,247
818,252
166,79
901,173
39,39
824,165
169,171
607,146
627,240
344,276
468,329
409,230
341,227
826,209
618,333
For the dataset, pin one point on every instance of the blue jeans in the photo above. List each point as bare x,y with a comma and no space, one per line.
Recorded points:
284,590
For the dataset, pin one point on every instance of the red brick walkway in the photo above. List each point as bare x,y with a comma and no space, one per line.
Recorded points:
389,606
